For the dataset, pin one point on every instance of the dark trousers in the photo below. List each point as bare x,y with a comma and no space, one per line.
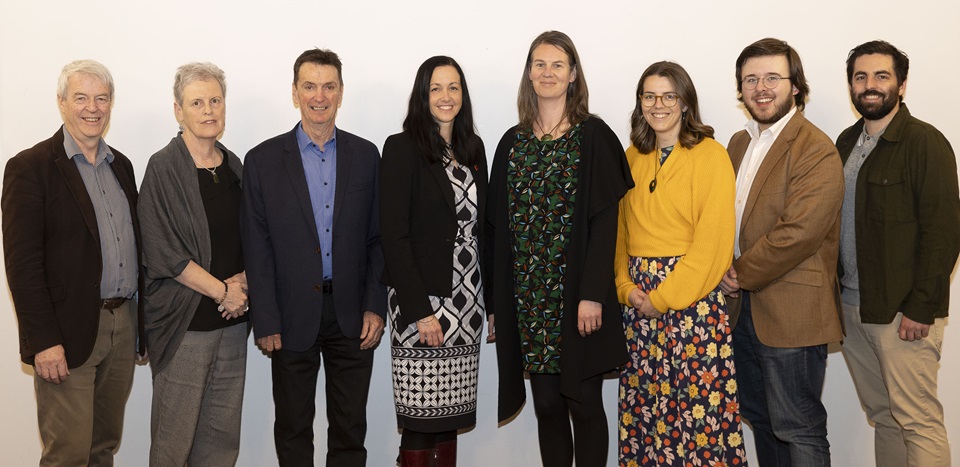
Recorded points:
780,397
558,445
347,371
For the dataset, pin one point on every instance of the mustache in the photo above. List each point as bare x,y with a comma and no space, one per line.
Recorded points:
870,93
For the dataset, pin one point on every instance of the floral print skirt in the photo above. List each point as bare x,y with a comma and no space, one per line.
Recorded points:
678,392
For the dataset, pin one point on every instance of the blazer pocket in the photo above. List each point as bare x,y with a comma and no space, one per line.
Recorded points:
804,277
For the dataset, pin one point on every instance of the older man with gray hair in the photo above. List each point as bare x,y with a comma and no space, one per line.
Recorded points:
71,242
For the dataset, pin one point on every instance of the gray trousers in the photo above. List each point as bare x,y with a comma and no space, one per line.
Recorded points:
81,419
197,400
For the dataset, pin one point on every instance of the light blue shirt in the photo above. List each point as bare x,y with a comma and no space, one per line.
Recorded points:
320,167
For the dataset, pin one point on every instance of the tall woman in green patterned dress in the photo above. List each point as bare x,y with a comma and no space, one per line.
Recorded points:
555,183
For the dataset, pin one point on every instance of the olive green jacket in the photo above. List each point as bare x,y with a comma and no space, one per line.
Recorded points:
907,220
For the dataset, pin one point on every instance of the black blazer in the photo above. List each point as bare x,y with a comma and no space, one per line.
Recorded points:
281,248
419,224
51,247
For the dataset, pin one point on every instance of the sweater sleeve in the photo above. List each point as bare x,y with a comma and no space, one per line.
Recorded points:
711,251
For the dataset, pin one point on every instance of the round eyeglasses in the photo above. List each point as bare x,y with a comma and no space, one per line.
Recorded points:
669,99
769,81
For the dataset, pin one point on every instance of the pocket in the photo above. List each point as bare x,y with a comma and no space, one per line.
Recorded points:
804,277
889,196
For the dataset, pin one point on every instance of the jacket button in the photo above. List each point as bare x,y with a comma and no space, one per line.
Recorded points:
318,250
318,288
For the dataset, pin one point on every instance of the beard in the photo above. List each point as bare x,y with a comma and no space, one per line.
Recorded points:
874,110
779,111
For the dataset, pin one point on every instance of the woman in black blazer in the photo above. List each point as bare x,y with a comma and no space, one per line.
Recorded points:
432,191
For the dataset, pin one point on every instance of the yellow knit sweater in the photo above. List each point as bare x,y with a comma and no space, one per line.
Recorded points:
690,214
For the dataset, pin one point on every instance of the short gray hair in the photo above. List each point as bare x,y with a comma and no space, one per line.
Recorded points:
197,71
87,67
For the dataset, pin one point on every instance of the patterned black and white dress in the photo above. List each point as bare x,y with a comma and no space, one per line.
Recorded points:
435,388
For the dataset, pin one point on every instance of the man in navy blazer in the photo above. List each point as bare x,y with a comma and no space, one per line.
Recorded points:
311,241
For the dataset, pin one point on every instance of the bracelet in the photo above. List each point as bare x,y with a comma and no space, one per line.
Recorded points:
425,320
226,289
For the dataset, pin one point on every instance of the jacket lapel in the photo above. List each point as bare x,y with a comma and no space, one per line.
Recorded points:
74,182
344,166
298,180
440,175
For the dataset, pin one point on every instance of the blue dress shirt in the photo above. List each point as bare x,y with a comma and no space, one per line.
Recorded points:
320,168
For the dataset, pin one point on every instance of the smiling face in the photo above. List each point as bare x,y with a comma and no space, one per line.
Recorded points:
873,87
445,94
665,121
550,72
318,94
767,106
85,108
203,112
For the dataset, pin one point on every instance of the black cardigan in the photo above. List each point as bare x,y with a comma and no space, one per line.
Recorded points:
418,224
603,179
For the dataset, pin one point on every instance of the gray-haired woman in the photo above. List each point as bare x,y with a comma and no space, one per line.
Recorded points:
195,292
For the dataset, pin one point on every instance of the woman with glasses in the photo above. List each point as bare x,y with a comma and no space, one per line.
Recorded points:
556,180
678,395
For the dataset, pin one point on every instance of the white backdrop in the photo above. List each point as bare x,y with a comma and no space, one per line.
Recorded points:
381,45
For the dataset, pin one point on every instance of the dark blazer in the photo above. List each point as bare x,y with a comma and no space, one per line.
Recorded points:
419,224
51,246
789,238
282,250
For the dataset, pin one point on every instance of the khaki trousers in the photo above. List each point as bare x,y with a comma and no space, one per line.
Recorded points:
897,384
81,419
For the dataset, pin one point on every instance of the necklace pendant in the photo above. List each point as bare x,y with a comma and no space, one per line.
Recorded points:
547,137
216,179
653,185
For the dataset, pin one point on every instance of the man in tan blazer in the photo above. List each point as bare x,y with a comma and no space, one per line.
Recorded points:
783,280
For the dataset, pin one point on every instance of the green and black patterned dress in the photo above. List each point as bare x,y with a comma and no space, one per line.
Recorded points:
542,183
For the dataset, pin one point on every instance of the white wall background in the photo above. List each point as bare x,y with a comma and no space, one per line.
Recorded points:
382,43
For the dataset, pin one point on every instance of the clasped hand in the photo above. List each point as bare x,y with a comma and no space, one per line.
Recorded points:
641,302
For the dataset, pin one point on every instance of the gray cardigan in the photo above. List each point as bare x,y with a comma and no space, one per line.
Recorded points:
174,228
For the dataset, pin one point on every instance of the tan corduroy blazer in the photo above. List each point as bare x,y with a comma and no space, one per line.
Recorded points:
789,238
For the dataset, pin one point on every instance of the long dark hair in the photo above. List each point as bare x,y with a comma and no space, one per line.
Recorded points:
426,131
692,130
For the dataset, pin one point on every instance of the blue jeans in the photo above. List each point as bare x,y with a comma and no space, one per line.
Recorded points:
780,397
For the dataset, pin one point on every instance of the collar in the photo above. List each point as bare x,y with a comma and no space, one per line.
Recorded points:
72,149
895,127
753,127
304,141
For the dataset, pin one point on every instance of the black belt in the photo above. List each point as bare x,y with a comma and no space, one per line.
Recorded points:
112,303
328,287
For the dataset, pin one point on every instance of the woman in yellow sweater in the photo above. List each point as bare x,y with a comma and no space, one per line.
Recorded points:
678,395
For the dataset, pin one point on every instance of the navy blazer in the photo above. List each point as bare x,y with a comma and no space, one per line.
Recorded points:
51,246
281,248
419,221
